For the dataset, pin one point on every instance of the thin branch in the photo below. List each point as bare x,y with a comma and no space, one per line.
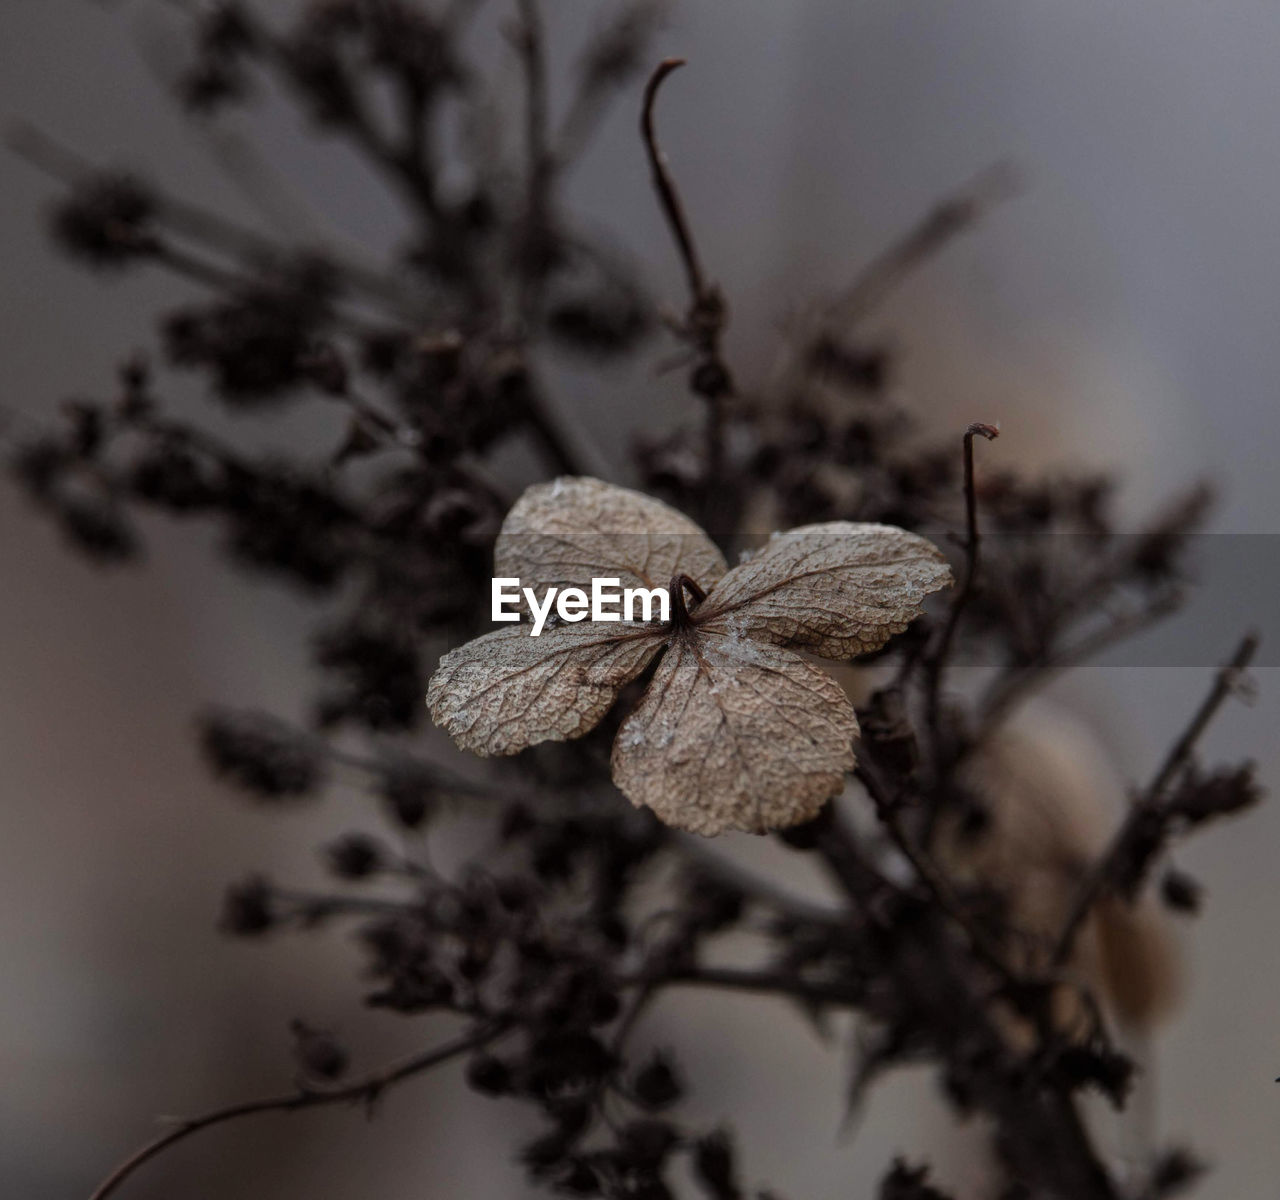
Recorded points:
309,907
193,266
367,1090
535,260
704,322
937,884
237,157
1226,682
645,995
606,65
404,166
199,269
244,245
839,849
936,657
59,162
1013,685
441,777
990,432
954,215
1042,1137
786,984
758,889
664,184
531,44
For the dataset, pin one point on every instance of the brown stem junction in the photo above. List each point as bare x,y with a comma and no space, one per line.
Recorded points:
679,612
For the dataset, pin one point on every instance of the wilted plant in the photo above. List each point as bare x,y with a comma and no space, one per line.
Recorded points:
734,731
549,947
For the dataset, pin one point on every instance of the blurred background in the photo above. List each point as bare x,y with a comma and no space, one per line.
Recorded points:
1121,311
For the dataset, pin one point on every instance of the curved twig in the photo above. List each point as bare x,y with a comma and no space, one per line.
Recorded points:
367,1090
936,657
672,207
704,322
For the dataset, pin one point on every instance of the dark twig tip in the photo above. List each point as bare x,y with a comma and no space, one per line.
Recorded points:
672,208
1247,649
679,610
661,71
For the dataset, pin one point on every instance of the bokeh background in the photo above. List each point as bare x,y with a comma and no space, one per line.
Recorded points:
1123,310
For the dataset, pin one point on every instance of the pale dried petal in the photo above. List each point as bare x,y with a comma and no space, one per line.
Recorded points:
836,590
506,691
565,533
735,735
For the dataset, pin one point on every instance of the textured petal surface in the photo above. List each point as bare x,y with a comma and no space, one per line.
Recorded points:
564,533
735,735
506,691
836,590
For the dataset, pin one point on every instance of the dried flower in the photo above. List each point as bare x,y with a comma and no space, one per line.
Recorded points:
735,731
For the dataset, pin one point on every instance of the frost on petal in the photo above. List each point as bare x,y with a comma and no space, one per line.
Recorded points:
837,590
565,533
506,691
733,734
